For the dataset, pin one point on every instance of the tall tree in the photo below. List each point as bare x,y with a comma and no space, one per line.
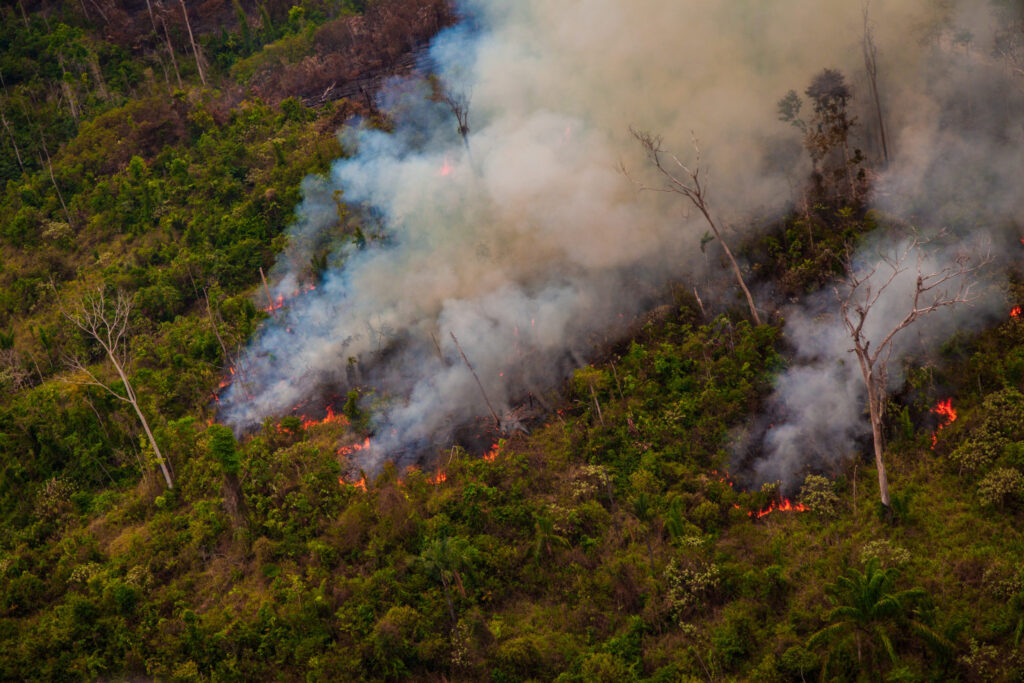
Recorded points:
106,321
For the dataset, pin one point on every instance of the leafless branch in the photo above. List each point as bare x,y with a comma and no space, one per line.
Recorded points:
106,321
861,292
686,181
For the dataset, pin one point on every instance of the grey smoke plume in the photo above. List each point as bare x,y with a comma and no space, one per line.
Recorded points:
527,243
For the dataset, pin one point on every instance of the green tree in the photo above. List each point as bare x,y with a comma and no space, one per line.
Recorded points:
869,610
224,448
546,538
447,559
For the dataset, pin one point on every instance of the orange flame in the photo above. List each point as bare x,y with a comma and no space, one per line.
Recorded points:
1015,312
490,455
946,410
348,450
332,416
438,478
446,167
785,506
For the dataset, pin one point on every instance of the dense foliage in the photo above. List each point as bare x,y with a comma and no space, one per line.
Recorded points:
608,545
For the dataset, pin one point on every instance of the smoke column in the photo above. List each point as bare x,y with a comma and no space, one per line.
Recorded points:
527,242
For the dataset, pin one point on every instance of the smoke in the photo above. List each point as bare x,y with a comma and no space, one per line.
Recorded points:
526,241
956,171
817,414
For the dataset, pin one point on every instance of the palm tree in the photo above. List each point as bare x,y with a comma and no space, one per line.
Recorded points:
447,559
866,608
546,538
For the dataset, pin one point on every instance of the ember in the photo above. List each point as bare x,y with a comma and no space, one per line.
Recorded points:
945,410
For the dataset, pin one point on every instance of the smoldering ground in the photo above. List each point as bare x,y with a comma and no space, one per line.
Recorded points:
526,241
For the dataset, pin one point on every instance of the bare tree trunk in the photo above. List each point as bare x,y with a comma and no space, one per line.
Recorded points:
864,288
192,40
213,323
14,141
66,88
497,422
134,401
871,66
875,411
107,325
170,51
152,18
97,75
53,180
732,259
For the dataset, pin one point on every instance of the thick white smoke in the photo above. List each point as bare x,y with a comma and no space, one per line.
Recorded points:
527,243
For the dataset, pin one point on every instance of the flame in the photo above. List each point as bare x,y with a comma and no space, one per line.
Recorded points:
1015,312
944,409
446,167
438,478
490,455
785,506
332,416
280,301
354,448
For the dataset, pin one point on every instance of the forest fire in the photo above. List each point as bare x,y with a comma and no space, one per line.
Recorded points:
280,301
446,167
945,410
1015,312
438,478
331,417
354,448
785,505
361,484
490,455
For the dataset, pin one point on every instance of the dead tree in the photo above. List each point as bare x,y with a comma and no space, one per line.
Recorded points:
871,66
681,180
861,291
458,102
106,322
